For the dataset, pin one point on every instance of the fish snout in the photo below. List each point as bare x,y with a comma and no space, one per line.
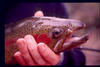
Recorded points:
81,25
77,24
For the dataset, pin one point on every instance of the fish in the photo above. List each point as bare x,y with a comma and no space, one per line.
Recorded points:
52,31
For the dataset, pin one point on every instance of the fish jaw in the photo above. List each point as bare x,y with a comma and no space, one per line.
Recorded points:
72,44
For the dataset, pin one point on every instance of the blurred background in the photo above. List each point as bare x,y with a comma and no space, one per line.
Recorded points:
89,13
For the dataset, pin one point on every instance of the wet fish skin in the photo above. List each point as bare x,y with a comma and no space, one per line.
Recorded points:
50,30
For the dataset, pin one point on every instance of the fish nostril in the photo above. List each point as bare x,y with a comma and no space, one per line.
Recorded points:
82,25
77,25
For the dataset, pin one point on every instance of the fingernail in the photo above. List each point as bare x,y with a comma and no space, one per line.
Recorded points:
42,45
29,36
20,42
38,13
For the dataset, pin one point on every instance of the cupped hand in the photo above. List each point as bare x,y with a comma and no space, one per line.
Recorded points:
32,53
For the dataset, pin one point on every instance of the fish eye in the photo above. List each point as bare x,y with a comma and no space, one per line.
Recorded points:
57,32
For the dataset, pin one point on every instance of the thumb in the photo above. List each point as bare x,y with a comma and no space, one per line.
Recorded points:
39,13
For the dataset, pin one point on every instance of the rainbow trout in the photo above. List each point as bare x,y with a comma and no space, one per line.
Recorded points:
49,30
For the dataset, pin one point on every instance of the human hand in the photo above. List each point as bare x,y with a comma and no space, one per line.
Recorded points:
31,53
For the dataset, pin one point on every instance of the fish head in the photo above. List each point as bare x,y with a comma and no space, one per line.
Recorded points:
51,30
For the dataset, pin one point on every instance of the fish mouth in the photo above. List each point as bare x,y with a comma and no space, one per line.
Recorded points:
73,40
70,42
76,41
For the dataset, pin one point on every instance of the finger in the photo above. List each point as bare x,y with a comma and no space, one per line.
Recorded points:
19,58
31,40
24,51
48,54
32,47
39,13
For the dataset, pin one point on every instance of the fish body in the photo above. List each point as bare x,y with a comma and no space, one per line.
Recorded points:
49,30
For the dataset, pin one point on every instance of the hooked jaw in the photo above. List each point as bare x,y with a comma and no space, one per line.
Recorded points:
72,43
